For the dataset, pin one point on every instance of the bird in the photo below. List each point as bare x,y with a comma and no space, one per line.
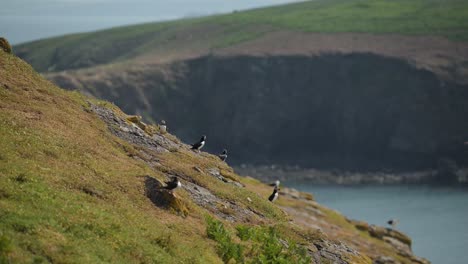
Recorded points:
276,183
200,143
163,126
393,222
173,184
274,195
223,156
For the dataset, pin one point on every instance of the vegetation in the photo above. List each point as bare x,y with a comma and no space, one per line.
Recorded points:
227,249
5,45
259,245
67,185
421,17
447,18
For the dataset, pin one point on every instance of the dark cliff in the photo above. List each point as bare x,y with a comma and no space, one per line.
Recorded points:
353,112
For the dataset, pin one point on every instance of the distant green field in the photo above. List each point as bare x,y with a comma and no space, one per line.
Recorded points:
448,18
426,17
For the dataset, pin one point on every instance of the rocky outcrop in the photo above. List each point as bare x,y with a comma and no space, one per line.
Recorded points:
309,213
396,239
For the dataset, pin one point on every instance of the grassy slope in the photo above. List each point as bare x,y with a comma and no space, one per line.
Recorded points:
448,18
54,154
70,192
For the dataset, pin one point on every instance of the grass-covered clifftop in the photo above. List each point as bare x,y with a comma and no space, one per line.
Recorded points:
182,38
79,183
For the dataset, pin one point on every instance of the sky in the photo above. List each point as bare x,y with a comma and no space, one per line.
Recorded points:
27,20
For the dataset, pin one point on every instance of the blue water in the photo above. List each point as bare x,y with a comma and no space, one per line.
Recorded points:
436,219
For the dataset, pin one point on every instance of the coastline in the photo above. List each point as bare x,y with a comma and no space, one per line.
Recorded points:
270,173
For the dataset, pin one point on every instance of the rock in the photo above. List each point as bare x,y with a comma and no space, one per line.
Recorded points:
385,260
133,133
334,252
403,249
197,169
215,172
381,232
293,193
134,119
124,129
164,198
360,225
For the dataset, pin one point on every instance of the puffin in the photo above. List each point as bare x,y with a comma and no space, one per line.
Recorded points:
393,222
274,195
173,184
163,126
223,156
199,144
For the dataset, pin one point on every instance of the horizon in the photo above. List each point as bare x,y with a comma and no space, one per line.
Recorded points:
26,20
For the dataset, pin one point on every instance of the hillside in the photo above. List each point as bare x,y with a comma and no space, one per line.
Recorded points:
358,86
79,183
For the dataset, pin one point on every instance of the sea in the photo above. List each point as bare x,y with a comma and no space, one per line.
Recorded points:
27,20
435,218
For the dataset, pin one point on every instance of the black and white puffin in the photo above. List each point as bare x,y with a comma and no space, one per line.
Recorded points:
200,143
223,156
163,126
173,184
274,195
393,222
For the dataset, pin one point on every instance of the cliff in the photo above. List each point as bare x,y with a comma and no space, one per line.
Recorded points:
80,181
357,112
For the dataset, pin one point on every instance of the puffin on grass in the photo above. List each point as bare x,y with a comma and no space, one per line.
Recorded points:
223,156
173,184
274,195
199,144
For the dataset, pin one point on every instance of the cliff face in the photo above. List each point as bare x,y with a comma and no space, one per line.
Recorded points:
80,181
353,112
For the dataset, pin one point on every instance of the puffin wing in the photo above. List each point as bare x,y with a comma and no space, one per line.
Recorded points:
272,196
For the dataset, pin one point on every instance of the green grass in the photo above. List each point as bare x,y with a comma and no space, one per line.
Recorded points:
412,17
257,245
447,18
70,192
227,249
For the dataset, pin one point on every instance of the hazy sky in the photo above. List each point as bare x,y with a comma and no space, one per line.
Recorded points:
25,20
